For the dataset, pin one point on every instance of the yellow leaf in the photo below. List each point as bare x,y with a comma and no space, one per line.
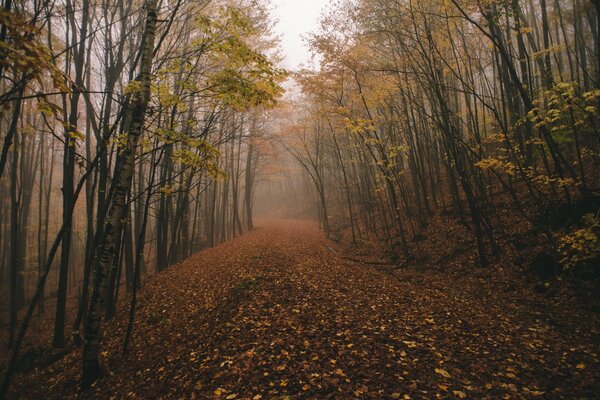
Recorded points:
396,395
231,396
219,391
442,372
257,397
459,394
580,366
443,387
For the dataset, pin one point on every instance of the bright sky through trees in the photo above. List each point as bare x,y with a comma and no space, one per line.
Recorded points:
296,19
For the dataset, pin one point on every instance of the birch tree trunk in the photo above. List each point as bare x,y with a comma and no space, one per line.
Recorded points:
113,223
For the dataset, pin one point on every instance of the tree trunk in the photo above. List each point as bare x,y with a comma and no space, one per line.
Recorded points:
112,225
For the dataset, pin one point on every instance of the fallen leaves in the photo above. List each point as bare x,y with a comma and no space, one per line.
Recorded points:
299,322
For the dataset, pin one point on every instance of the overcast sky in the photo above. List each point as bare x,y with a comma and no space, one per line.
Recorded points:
296,18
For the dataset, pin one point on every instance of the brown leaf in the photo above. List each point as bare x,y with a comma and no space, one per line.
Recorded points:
442,372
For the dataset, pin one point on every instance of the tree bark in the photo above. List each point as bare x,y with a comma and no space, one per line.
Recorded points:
112,225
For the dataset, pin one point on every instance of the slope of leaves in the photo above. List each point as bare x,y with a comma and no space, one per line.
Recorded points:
276,314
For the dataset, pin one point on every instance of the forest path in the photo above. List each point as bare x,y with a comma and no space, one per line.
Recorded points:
275,314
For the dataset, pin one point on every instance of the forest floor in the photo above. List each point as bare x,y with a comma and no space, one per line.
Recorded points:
279,313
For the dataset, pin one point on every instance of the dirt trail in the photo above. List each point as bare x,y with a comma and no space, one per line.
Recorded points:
274,314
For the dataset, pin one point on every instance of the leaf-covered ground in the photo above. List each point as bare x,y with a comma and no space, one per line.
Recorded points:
276,314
